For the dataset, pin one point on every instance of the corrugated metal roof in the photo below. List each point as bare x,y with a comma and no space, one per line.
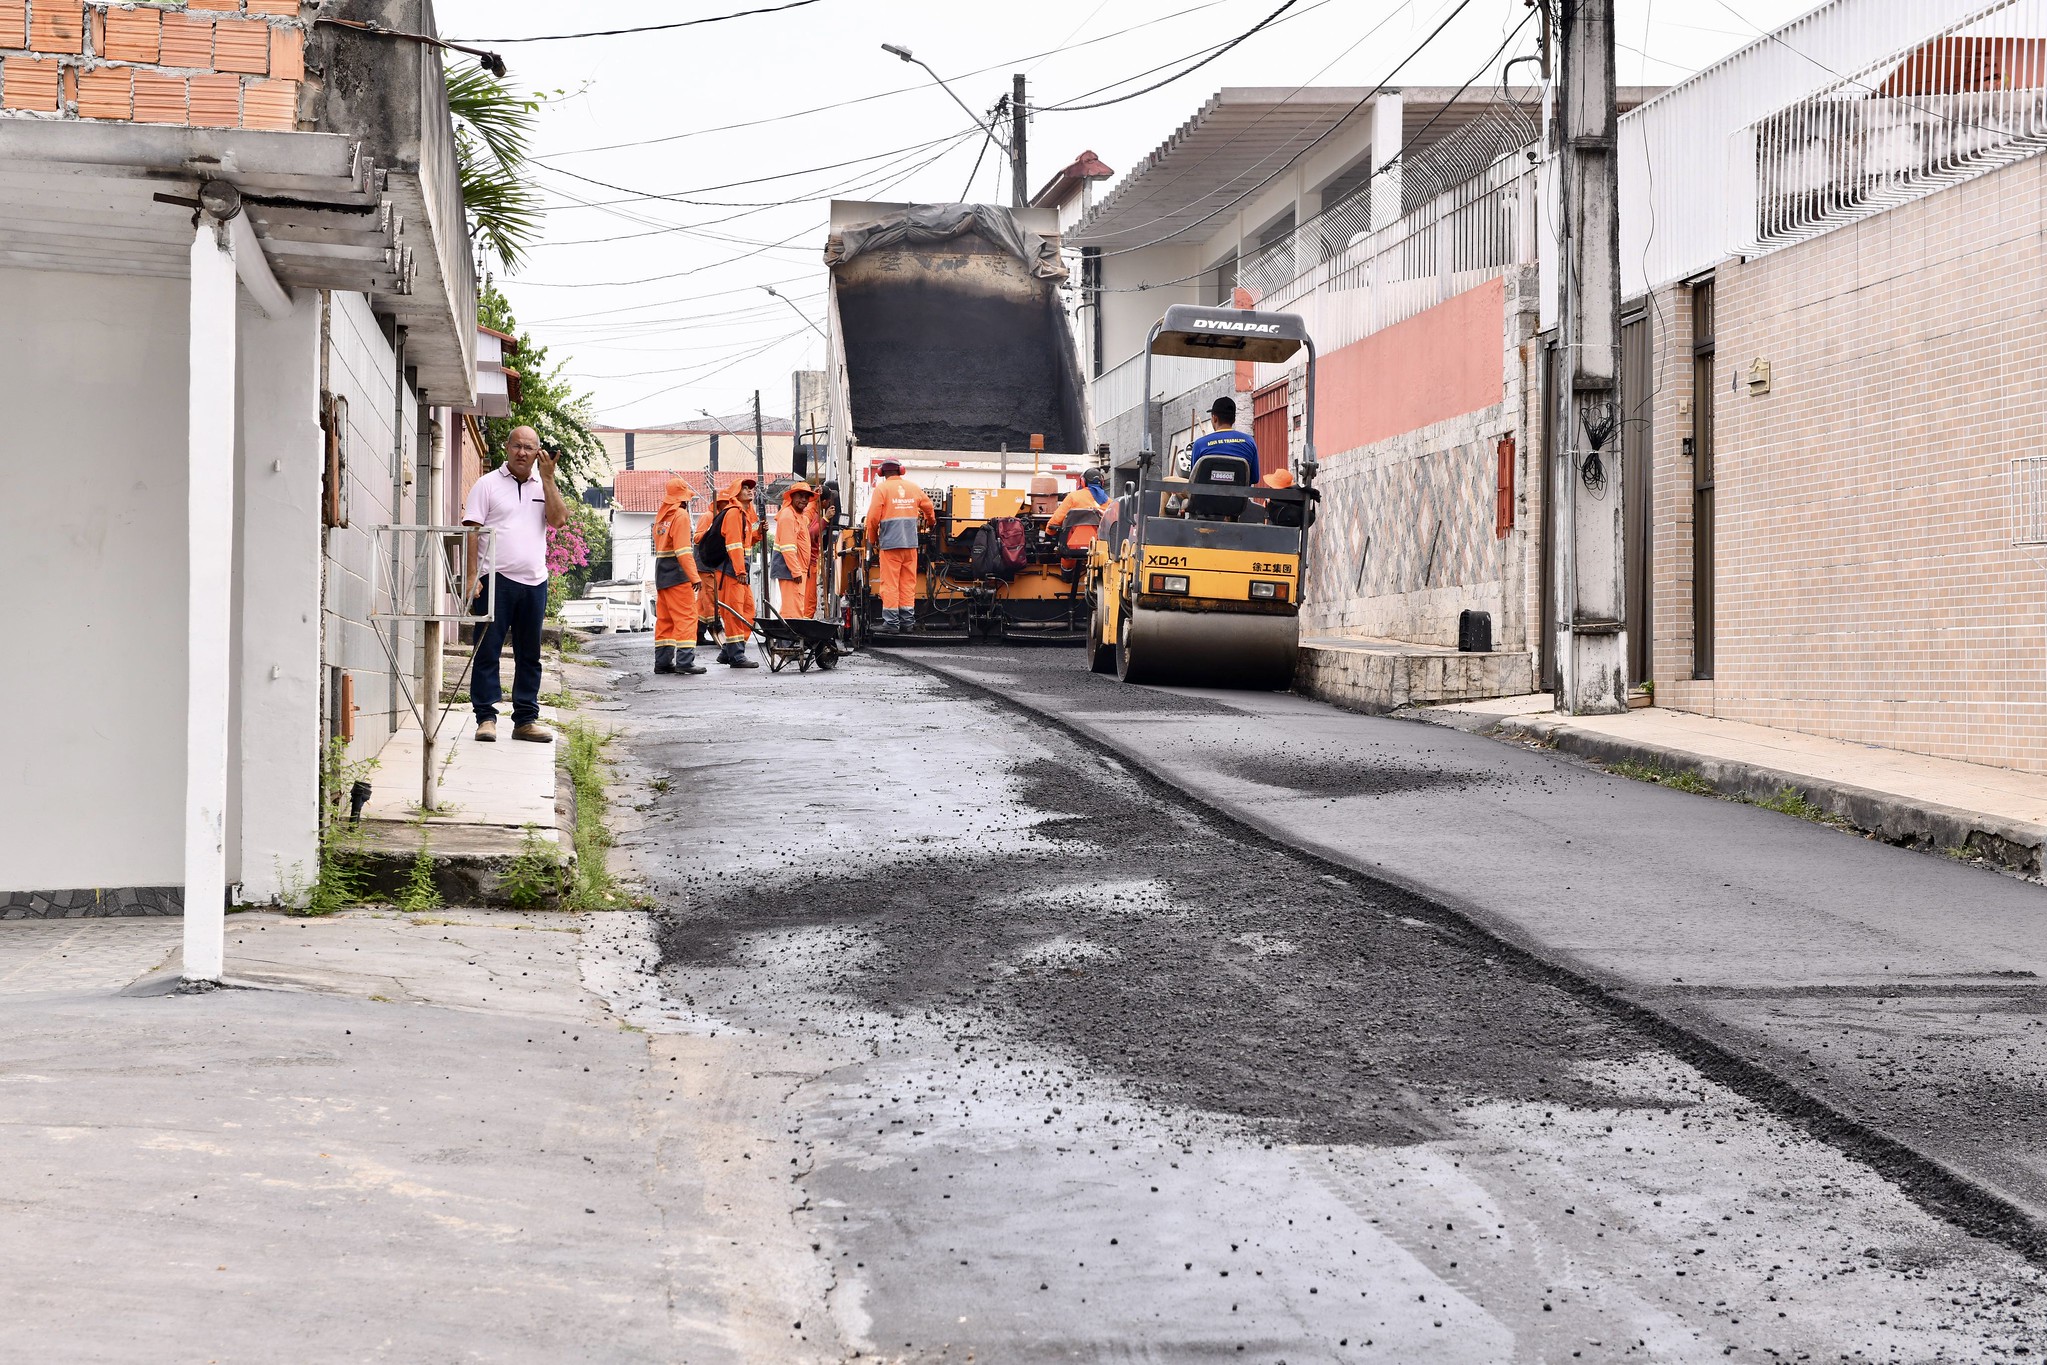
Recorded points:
1245,133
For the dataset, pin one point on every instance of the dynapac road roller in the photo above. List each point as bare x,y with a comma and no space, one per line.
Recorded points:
1197,580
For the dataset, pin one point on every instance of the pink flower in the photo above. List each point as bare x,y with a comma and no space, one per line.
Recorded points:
566,549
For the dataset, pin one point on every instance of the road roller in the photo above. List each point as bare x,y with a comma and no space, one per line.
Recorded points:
1196,581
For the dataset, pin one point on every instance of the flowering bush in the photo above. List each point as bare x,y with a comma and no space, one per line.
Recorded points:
566,548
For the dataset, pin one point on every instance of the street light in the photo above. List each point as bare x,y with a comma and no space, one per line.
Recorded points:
798,311
987,128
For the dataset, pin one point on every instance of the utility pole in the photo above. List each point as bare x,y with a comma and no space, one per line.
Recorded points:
1020,181
1592,642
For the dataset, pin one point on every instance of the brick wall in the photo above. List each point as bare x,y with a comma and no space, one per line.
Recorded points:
207,63
1866,585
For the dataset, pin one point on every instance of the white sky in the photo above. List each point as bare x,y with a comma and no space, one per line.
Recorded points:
707,336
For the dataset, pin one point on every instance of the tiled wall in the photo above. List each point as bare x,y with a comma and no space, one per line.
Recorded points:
1867,586
1404,540
207,63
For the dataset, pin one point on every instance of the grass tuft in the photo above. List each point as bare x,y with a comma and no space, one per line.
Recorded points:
1677,779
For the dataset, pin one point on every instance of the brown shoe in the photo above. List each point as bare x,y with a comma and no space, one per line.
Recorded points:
531,731
487,731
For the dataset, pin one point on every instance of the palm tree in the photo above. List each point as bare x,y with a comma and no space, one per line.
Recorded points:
492,128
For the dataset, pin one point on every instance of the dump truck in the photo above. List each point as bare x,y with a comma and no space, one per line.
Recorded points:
952,354
1196,579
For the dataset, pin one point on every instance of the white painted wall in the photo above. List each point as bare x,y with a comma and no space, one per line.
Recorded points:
92,453
360,369
277,726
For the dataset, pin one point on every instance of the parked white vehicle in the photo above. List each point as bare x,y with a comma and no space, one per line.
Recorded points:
616,605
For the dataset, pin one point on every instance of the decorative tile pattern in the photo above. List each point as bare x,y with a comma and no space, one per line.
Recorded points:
94,903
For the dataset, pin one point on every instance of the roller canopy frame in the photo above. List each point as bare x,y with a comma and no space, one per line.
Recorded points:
1228,334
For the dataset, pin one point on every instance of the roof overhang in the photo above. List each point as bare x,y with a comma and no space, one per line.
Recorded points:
1244,134
85,197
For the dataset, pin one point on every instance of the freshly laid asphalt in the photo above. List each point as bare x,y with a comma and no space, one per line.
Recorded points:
1899,992
1060,1064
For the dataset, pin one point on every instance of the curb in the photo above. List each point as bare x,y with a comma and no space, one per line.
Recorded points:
2014,847
1974,1205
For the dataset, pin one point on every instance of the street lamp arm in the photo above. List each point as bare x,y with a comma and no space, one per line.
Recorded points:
905,54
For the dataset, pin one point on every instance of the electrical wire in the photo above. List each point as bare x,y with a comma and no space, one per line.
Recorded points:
680,196
1419,133
1184,71
644,28
1174,17
1330,131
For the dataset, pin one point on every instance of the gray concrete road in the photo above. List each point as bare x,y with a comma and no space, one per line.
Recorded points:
1060,1067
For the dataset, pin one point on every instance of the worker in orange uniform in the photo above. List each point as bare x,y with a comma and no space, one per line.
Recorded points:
1077,520
725,598
675,583
824,525
895,514
790,561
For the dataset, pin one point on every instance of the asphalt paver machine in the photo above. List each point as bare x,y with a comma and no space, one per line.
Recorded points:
1197,579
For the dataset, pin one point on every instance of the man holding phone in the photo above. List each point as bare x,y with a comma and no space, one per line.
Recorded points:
519,500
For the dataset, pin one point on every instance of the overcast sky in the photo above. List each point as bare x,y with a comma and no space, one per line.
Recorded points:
658,305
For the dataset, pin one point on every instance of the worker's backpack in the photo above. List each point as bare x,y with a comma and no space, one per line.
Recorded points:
711,546
1009,538
985,557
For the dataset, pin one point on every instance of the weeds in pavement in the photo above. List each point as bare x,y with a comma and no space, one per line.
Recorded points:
339,880
420,892
1677,779
535,876
660,784
592,887
563,700
1790,801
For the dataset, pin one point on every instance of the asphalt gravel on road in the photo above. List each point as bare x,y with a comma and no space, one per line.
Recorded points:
1067,1068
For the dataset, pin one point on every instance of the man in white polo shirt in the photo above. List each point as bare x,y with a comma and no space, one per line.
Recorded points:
520,502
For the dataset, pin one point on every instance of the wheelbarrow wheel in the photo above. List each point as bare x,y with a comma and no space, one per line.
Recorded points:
827,657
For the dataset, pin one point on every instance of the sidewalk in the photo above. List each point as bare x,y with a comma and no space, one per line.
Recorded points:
1997,815
492,798
406,1138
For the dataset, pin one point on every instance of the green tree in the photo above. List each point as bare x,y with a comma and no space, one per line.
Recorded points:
547,402
493,125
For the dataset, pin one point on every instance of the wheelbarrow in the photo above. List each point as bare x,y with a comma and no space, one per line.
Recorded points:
793,640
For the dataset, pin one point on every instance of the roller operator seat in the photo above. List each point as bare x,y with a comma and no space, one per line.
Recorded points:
1217,487
1076,535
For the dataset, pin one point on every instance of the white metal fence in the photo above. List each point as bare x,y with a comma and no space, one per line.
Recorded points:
1951,104
1348,289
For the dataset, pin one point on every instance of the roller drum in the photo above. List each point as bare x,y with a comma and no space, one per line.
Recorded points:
1210,649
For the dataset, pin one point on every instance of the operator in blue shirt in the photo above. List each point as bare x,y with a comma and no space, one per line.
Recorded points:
1224,441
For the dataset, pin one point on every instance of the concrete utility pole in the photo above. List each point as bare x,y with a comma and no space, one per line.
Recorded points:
1592,642
760,495
1020,180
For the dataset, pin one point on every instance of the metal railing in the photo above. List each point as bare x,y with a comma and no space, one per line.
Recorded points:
1349,282
1953,104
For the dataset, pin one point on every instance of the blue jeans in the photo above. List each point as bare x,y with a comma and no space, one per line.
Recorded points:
521,607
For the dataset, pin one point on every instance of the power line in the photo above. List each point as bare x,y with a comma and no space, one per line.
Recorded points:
644,28
679,195
1442,109
1258,122
1184,71
887,94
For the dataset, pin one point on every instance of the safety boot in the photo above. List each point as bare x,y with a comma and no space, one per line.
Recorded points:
664,658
